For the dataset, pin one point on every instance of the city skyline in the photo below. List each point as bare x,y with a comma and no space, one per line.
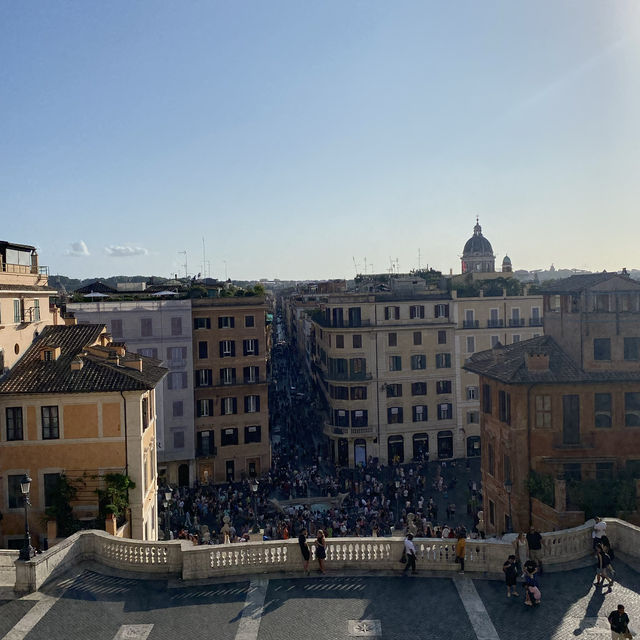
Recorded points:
296,138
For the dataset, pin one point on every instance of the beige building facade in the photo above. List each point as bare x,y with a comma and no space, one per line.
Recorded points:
24,301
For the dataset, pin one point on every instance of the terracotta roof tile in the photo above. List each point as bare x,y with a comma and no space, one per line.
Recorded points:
32,375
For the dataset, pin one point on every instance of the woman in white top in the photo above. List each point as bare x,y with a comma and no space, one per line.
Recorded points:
522,551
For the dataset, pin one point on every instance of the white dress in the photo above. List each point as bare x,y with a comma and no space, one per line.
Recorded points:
522,551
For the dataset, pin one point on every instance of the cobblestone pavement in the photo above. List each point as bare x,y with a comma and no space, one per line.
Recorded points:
92,606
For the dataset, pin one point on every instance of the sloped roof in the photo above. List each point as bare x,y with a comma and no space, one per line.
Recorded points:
32,375
508,365
96,287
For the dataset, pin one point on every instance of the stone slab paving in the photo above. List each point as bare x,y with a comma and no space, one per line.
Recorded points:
92,606
11,611
571,606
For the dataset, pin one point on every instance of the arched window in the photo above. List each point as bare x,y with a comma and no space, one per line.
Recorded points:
445,444
395,449
473,446
420,446
360,451
343,452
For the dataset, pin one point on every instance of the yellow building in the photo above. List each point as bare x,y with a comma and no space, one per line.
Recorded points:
24,301
77,403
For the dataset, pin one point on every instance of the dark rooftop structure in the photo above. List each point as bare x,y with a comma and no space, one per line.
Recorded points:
80,359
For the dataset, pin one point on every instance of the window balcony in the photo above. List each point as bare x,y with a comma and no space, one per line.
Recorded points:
495,324
212,452
516,322
535,322
470,324
332,430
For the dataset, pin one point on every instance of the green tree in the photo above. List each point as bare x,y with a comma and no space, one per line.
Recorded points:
60,509
114,498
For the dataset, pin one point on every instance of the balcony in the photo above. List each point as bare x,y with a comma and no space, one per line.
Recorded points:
235,382
470,324
345,377
535,322
495,324
212,452
346,432
320,319
516,322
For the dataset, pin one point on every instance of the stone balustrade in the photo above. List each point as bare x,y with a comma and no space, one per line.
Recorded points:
8,559
180,559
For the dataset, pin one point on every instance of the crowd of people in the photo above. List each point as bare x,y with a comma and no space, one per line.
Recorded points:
371,500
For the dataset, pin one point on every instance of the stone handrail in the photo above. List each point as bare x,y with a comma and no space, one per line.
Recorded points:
181,559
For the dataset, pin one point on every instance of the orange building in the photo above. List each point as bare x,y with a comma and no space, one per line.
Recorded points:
77,403
231,342
565,404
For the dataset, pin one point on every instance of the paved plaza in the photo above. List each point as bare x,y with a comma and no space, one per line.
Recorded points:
87,605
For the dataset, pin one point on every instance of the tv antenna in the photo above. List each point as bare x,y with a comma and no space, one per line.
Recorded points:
355,264
185,262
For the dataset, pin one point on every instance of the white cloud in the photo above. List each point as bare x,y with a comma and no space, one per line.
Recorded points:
118,251
77,250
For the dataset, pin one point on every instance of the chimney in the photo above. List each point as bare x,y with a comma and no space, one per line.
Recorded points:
77,364
537,361
133,363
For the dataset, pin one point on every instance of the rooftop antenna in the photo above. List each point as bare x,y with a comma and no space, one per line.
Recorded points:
225,270
418,258
365,264
355,264
204,260
185,262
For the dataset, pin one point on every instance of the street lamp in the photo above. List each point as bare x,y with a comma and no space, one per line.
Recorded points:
168,493
397,500
27,552
254,488
508,487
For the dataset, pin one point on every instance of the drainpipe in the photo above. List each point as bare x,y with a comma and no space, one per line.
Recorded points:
375,335
529,447
126,442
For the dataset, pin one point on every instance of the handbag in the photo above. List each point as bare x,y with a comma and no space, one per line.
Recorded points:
403,557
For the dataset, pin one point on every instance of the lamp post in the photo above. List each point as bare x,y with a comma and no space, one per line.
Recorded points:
168,493
508,487
397,500
254,489
27,552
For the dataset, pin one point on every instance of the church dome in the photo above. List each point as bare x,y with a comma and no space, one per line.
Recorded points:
477,255
477,244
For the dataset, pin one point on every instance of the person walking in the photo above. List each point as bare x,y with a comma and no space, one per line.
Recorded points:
603,569
461,547
531,584
619,622
521,551
510,575
304,549
535,542
410,551
321,549
599,530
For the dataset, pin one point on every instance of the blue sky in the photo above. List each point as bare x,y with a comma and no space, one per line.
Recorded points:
295,136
